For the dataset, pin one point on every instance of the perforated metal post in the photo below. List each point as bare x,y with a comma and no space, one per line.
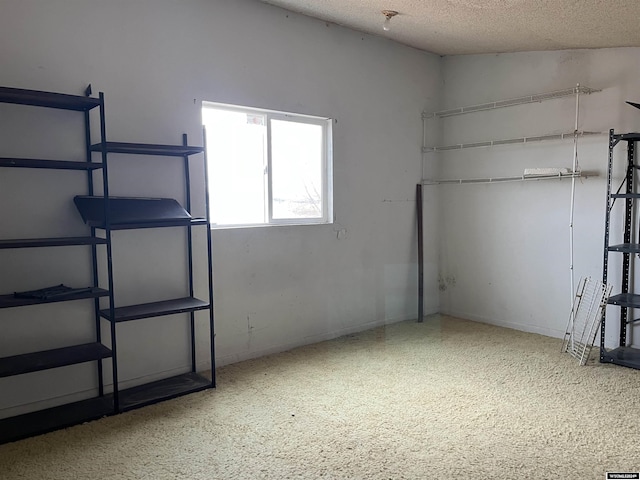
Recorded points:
607,224
628,219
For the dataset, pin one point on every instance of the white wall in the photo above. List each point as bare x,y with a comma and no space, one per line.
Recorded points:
505,247
156,61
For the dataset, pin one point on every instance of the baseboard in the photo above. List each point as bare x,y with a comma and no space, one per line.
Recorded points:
300,342
201,367
433,311
547,332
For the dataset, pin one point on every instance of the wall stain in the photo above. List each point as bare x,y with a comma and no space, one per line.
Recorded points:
447,282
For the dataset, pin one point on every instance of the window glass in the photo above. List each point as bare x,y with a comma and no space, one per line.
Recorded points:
296,164
267,167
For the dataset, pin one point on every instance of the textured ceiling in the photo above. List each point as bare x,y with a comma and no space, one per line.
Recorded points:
454,27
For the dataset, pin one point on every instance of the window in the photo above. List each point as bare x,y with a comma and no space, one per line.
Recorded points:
267,167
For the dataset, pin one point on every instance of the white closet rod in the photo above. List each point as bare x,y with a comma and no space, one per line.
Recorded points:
521,178
539,97
512,141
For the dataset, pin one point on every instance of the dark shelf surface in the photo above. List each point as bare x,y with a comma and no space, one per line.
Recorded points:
633,104
8,301
199,221
132,212
162,390
625,300
625,248
625,356
633,320
156,309
43,421
51,164
50,419
47,99
148,149
625,195
630,137
158,224
51,242
59,357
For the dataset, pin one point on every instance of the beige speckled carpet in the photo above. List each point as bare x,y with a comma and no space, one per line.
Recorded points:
444,399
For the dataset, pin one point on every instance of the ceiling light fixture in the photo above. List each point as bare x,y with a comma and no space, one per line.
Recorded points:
389,14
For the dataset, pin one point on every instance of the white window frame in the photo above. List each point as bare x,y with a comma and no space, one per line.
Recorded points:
326,165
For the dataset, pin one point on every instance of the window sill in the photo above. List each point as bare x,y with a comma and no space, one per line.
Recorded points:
267,225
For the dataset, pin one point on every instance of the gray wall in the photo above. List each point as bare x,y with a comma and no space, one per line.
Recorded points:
505,247
156,61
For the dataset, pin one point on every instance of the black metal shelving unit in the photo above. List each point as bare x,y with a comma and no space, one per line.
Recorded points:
122,213
45,420
624,354
106,214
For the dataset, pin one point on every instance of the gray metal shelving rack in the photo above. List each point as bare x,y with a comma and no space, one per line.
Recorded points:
25,425
624,354
106,214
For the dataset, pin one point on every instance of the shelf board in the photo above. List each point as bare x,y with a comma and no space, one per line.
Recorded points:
50,419
59,357
625,248
132,212
625,356
629,137
51,164
47,99
51,242
199,221
161,390
148,149
625,195
177,222
625,300
9,301
43,421
156,309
